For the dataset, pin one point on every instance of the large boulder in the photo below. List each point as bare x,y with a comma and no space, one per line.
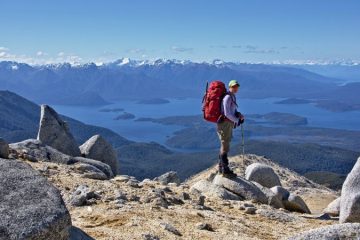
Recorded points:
55,132
4,149
296,204
241,187
262,174
333,209
31,207
350,196
337,231
169,177
99,149
280,192
211,190
273,199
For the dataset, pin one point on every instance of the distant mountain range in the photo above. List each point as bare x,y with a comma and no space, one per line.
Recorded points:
349,72
90,84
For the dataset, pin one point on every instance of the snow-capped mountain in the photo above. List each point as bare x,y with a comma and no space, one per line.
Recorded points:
165,78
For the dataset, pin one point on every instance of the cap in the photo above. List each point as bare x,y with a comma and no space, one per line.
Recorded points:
233,83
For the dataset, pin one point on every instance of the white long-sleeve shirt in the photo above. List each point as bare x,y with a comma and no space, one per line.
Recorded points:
229,107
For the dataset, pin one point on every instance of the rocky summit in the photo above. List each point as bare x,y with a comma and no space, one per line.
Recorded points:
124,207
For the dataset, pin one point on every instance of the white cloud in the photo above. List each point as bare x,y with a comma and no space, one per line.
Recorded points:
136,50
181,49
4,49
61,54
257,50
41,54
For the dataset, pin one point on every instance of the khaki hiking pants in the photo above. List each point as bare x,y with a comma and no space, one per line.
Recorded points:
224,131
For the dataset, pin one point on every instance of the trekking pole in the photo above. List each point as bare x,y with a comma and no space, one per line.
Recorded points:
243,142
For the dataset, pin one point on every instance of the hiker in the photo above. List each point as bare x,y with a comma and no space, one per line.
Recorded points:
220,107
229,120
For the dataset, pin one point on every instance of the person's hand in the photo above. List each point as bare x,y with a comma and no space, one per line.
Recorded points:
241,119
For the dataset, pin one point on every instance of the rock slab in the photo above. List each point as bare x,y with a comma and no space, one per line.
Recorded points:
242,188
262,174
211,190
54,132
99,149
350,196
31,207
32,149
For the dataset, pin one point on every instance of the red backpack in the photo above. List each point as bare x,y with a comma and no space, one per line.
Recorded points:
212,100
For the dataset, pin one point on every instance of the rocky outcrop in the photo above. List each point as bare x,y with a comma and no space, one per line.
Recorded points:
277,197
55,132
296,204
211,190
350,196
34,150
31,208
338,231
99,149
333,209
241,187
4,149
262,174
169,177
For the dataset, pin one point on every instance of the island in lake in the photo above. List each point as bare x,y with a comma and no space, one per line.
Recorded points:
286,119
111,110
125,116
293,101
154,101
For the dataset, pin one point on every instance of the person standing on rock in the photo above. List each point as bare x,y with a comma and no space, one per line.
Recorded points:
220,107
229,120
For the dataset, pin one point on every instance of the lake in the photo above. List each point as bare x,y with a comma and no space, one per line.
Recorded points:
147,131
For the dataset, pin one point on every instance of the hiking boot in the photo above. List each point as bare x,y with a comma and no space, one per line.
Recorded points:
220,165
229,173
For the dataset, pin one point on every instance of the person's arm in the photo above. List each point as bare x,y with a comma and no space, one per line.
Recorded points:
227,109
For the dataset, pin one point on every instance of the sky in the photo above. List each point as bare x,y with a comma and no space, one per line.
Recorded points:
43,31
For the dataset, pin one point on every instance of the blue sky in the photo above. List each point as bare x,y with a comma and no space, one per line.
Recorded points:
40,31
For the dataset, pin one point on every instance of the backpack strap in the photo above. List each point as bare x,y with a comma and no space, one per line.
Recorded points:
233,98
